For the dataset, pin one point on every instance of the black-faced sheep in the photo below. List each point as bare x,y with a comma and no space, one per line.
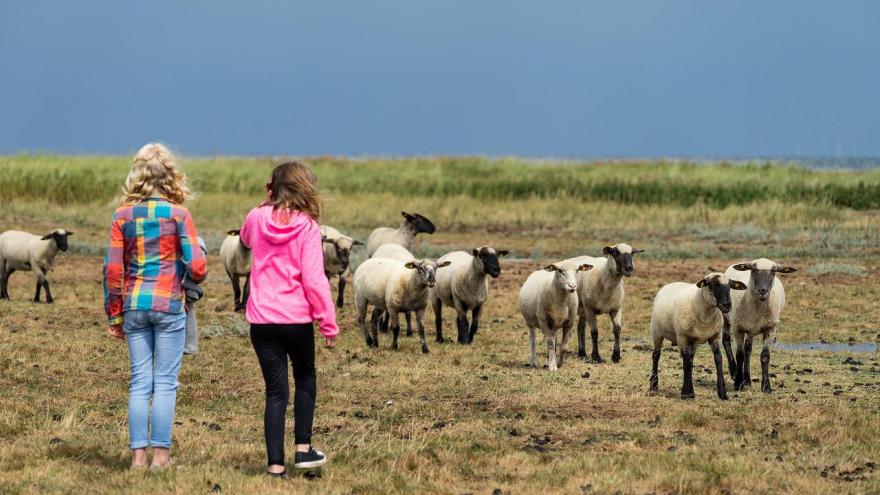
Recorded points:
337,256
28,252
412,225
236,260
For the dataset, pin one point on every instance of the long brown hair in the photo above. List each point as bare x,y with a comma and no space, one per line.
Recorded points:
294,186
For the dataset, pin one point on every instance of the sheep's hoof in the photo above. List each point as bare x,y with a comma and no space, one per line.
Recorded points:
425,349
723,395
766,389
395,347
741,386
596,358
615,358
687,395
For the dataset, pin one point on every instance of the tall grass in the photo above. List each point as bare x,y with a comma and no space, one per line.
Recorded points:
71,180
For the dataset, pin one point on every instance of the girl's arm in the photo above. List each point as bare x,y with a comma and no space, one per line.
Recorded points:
193,257
315,283
114,273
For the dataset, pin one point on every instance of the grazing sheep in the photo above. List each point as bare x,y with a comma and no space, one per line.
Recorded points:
236,259
548,300
396,287
402,254
29,252
464,286
755,311
600,291
337,256
688,315
411,225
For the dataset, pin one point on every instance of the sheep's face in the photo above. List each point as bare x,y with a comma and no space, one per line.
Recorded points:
486,259
763,273
60,237
342,246
426,270
418,223
566,279
717,287
621,255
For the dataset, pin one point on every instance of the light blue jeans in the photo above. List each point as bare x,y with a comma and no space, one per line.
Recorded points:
155,349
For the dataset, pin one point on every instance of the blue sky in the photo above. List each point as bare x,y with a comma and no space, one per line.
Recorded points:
398,77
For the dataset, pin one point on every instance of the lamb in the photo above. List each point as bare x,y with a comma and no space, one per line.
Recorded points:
236,259
600,291
337,256
548,300
29,252
412,225
687,315
402,254
755,311
464,286
396,287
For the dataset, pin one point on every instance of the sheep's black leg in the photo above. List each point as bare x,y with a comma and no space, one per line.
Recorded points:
5,282
420,321
462,324
383,323
236,292
615,354
340,295
361,320
740,361
475,322
395,330
687,364
765,370
49,299
246,293
655,361
594,335
747,376
582,337
725,339
37,293
409,331
719,370
438,320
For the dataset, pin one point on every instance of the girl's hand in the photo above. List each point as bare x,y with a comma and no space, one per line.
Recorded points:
329,342
115,331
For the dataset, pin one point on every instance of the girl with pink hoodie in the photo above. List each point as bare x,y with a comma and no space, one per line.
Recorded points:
288,293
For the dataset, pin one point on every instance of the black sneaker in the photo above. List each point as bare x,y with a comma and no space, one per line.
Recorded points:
311,459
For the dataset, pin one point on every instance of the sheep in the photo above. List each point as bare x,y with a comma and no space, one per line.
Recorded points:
755,311
337,256
411,225
402,254
29,252
236,259
600,291
548,300
464,286
687,315
396,287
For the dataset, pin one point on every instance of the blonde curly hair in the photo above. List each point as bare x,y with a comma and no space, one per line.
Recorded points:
154,172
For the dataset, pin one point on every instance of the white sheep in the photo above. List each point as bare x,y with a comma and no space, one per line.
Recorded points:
337,257
29,252
548,300
464,286
402,254
688,315
755,311
600,291
236,259
412,225
396,287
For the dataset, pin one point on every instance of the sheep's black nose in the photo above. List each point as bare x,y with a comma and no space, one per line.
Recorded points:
725,308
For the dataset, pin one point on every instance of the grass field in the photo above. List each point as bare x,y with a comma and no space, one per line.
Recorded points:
468,419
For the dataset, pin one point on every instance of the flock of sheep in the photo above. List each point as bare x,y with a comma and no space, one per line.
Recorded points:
745,301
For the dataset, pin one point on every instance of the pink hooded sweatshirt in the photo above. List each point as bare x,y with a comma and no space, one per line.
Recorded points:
287,282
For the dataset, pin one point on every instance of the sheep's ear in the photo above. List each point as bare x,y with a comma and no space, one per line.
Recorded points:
69,233
444,263
502,252
737,285
357,243
637,251
406,215
784,269
702,282
551,268
47,236
606,250
233,232
325,240
475,252
585,267
742,267
412,265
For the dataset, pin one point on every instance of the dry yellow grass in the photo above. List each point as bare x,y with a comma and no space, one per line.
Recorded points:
461,419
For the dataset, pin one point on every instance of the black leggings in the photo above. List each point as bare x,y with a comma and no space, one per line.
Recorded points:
274,343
